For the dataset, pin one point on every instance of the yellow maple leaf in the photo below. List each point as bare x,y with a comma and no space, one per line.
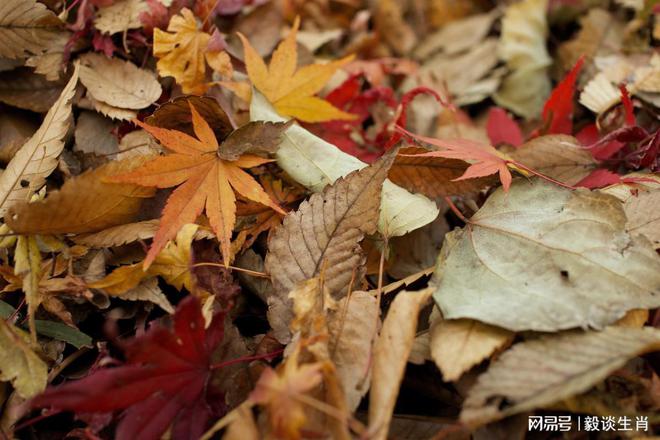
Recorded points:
290,91
182,53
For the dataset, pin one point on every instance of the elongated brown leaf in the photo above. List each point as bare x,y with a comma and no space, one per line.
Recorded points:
26,28
538,373
324,235
84,204
433,176
391,353
36,159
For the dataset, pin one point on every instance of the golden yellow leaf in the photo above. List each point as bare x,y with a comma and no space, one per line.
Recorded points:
180,52
19,364
289,90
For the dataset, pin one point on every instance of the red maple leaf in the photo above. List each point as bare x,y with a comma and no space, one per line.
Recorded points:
558,109
162,383
503,129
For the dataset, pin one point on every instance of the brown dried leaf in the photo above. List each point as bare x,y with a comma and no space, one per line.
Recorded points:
26,28
324,235
458,345
256,137
175,115
433,176
84,204
559,156
121,16
535,374
35,160
23,89
391,352
118,83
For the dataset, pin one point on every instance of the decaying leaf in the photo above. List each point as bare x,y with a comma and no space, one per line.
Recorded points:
24,89
84,204
535,373
432,176
558,156
391,352
323,235
26,28
19,364
542,248
460,344
314,163
118,83
35,160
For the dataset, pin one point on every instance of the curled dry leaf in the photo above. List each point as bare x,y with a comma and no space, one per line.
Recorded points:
458,345
19,364
315,163
176,115
558,156
540,248
84,204
26,28
35,160
391,352
118,83
535,373
323,235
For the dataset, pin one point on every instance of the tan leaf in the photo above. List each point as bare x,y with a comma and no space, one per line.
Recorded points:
118,83
121,16
457,36
391,352
546,258
23,89
598,30
51,63
19,364
558,156
35,160
433,176
458,345
26,28
640,203
397,33
112,112
84,204
535,373
324,235
119,235
352,325
149,291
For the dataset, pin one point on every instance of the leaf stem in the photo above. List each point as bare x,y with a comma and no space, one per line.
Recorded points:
257,357
541,175
238,269
456,211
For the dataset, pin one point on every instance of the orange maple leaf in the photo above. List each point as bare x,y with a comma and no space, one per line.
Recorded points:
204,180
290,91
484,159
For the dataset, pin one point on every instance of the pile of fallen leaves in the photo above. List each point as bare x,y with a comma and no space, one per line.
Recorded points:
248,219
